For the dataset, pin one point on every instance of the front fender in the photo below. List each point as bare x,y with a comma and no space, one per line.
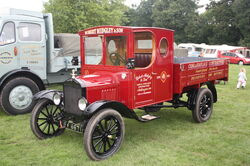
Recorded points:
98,105
46,94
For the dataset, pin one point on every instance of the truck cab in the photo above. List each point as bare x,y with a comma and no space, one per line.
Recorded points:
125,68
136,64
29,58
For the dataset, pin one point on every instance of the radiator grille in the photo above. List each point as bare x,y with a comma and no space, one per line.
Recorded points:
72,93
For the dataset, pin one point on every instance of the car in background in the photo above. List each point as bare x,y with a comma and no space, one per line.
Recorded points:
235,58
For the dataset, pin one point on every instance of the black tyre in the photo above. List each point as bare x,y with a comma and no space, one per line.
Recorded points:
204,105
43,122
17,95
148,110
104,134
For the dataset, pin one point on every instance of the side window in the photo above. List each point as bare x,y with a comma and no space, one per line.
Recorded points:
7,35
116,50
163,47
29,32
143,48
225,54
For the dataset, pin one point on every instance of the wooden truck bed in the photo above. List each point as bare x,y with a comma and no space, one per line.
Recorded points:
192,71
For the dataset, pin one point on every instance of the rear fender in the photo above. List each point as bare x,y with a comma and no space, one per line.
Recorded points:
99,105
212,88
46,94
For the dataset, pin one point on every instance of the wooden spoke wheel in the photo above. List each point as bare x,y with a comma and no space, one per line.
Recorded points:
104,134
44,123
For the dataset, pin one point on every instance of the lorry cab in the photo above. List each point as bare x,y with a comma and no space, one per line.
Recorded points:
131,65
29,57
23,42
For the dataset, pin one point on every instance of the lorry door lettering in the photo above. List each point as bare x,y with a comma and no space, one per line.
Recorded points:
143,81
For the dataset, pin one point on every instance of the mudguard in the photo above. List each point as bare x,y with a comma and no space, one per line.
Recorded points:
98,105
212,88
22,72
46,94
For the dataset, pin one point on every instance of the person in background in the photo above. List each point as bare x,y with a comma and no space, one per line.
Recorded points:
242,79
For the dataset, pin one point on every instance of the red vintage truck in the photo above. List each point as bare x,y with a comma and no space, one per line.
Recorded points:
125,68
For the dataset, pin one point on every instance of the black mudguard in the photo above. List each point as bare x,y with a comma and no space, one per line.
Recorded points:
212,88
45,94
98,105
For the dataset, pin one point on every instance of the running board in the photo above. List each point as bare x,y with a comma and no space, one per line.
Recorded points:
146,118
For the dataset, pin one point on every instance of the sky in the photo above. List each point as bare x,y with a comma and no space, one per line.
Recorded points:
37,5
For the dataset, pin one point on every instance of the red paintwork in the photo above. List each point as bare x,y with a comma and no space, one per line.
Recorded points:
144,86
234,59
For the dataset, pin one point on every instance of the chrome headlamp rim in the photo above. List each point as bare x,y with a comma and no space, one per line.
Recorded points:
82,103
57,98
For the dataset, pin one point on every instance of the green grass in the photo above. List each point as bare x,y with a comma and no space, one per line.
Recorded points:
174,139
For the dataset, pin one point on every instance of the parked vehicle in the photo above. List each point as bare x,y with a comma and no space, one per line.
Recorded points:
28,58
213,51
133,68
194,50
235,58
245,51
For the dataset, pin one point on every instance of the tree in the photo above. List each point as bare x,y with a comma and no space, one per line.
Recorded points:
220,19
241,9
174,14
73,15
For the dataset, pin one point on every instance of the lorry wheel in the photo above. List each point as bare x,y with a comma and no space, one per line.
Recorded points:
104,134
241,63
43,122
204,105
17,95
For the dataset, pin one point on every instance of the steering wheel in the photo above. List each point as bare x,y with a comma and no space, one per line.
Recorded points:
116,59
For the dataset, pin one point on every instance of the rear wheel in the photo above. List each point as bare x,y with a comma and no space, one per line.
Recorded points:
104,134
203,105
17,95
44,122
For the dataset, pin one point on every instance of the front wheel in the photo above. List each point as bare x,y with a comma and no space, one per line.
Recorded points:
17,95
104,134
44,121
203,105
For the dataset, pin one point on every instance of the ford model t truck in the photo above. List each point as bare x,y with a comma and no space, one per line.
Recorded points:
28,58
125,68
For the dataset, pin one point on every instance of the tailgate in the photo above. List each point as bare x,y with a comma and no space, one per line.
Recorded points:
194,73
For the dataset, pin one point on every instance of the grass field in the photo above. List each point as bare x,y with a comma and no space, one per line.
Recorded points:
174,139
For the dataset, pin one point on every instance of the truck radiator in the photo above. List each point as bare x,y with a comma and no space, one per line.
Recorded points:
72,93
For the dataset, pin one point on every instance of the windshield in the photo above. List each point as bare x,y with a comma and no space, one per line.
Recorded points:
116,48
240,55
7,34
93,50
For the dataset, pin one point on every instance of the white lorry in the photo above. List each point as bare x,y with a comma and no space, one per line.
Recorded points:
31,55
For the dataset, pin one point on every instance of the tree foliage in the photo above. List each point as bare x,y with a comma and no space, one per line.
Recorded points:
224,22
241,9
73,15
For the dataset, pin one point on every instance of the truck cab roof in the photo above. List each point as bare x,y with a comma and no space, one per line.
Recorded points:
18,14
108,29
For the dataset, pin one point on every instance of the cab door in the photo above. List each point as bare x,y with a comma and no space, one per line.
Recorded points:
163,69
32,46
143,79
8,52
